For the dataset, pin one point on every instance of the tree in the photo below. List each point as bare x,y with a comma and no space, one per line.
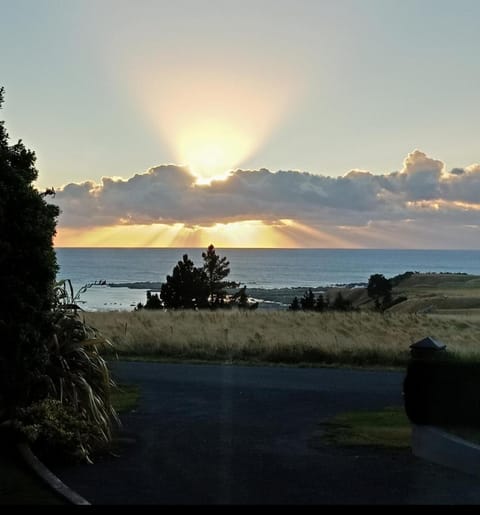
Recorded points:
51,369
295,305
340,303
308,301
186,288
378,288
321,304
216,269
28,269
153,301
242,298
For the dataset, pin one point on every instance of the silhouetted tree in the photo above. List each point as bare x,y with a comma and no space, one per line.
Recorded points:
153,301
308,301
340,303
28,269
186,288
379,287
320,304
295,305
216,269
242,298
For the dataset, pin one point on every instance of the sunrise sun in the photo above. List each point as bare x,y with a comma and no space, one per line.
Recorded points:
211,149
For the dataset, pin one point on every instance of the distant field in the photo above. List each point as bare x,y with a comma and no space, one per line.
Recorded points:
443,306
453,294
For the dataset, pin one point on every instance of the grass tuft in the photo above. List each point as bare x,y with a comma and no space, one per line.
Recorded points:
388,428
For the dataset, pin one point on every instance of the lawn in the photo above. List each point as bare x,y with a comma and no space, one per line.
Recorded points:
387,428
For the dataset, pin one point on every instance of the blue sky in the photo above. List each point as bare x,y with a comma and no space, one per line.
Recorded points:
111,88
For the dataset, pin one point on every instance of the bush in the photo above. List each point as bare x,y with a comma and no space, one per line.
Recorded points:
78,376
55,429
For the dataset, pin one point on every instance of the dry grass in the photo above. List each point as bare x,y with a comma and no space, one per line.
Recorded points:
357,338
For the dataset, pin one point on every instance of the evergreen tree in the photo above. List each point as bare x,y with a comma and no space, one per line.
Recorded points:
340,303
321,304
243,299
380,288
186,288
216,269
295,305
28,269
308,301
153,301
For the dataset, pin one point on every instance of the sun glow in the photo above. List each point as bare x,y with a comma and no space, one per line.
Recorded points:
212,120
243,234
211,149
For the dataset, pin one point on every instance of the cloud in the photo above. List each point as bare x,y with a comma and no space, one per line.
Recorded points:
423,191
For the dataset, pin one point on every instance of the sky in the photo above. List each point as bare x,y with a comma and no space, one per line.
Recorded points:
261,123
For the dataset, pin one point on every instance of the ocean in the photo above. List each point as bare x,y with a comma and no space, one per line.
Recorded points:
259,269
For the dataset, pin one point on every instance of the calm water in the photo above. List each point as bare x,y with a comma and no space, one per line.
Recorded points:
259,268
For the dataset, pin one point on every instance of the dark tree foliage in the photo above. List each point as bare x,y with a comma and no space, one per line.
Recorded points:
396,280
308,301
241,300
340,303
28,269
379,287
153,301
320,304
216,269
295,305
186,288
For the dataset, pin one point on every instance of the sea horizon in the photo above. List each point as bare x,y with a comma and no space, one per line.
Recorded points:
279,248
257,268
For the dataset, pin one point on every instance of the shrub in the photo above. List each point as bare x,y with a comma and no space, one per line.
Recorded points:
55,429
78,376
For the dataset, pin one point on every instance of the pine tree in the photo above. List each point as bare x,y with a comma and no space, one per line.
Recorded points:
186,288
308,301
216,269
320,304
295,305
379,287
243,299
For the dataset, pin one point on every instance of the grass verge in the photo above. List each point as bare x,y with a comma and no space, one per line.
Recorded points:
125,397
388,428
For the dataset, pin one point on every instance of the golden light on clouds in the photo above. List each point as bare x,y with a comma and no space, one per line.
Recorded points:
245,234
213,119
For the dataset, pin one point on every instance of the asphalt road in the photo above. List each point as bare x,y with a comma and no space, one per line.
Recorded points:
252,435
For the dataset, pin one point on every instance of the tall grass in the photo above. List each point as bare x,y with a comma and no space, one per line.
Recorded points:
357,338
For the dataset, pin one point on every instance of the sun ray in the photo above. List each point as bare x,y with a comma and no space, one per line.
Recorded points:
212,122
242,234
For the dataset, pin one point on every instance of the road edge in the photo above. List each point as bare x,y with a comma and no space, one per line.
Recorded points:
438,446
48,477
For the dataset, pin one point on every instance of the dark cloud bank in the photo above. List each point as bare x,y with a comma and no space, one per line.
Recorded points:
423,192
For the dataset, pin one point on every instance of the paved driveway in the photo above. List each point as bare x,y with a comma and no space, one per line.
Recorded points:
252,435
